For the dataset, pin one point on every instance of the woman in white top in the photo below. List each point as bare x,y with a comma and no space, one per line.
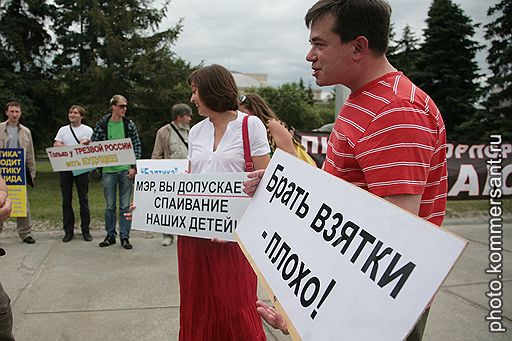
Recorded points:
217,284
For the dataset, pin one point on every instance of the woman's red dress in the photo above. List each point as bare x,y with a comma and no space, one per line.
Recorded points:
217,292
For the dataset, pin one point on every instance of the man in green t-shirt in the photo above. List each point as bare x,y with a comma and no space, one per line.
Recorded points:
116,126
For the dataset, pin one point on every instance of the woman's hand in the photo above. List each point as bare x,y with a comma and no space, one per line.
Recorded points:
251,185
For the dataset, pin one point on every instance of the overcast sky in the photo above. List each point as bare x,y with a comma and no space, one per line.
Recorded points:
269,36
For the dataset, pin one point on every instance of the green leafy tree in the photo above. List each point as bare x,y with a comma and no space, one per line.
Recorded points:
498,115
292,103
405,52
111,47
25,45
109,33
23,33
446,68
325,112
307,90
392,45
158,82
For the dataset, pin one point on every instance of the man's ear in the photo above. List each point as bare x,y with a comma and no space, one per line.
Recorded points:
360,47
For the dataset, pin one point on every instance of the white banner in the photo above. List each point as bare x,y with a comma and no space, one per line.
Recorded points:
197,205
343,263
162,166
96,154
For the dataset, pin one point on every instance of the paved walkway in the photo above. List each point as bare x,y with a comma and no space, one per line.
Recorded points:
77,291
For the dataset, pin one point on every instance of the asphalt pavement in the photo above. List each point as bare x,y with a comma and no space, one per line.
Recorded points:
78,291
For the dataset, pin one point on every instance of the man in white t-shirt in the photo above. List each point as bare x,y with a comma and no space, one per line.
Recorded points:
69,135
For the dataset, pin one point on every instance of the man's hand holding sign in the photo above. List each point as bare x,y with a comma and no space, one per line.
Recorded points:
340,259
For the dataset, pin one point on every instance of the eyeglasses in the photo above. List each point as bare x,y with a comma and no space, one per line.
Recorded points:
122,106
242,99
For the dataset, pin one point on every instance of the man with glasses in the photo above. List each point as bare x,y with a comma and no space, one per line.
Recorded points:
116,126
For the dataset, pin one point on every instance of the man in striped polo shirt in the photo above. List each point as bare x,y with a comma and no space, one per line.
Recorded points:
389,137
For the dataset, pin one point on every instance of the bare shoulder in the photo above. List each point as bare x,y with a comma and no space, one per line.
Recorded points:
276,125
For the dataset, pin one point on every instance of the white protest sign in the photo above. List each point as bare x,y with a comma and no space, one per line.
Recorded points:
197,205
96,154
343,263
162,166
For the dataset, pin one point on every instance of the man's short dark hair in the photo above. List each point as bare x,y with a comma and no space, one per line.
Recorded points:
12,104
180,109
354,18
216,86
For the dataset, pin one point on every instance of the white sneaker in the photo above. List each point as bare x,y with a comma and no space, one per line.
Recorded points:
167,241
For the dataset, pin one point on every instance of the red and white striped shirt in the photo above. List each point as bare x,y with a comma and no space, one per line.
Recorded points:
390,139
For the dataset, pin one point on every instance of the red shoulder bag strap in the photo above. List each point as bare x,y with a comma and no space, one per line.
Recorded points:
249,166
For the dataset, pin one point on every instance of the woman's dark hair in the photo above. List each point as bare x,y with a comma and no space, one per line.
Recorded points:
216,87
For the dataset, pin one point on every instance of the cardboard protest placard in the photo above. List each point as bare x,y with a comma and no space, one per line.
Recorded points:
343,263
12,170
162,166
197,205
96,154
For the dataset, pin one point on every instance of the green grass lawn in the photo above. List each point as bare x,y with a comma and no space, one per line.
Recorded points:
465,208
45,198
45,201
